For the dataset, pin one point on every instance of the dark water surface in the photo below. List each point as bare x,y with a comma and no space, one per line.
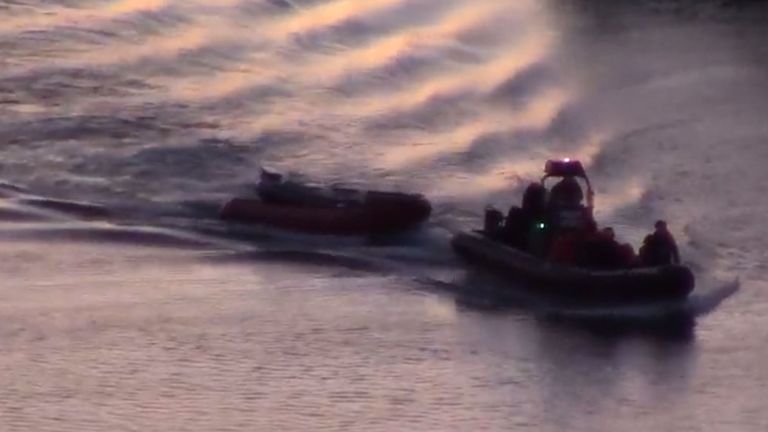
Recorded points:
124,124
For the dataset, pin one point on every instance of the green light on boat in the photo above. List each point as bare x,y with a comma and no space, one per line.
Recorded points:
540,225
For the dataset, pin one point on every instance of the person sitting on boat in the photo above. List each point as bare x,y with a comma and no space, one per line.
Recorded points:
520,220
627,256
608,254
659,248
602,250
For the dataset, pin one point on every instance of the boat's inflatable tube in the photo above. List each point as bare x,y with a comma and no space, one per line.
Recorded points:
369,213
652,284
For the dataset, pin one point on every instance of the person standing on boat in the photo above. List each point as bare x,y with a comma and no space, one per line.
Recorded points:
565,207
659,248
520,220
566,193
567,215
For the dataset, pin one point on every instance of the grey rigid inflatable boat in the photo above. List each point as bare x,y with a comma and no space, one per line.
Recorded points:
574,284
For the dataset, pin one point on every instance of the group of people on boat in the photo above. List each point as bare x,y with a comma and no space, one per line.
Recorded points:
556,225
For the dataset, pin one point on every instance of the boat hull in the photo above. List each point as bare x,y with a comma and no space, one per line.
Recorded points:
378,213
639,285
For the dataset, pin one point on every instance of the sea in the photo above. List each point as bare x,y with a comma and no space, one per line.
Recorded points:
126,305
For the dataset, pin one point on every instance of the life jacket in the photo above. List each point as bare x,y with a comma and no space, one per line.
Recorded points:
563,250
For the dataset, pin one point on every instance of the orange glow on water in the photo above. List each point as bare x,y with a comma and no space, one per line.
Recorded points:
535,116
327,14
327,69
58,15
127,6
481,78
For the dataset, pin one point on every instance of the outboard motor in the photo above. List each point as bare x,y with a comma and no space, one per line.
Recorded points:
270,177
492,221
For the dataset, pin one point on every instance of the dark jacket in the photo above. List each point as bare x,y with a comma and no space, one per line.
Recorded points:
659,249
517,226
